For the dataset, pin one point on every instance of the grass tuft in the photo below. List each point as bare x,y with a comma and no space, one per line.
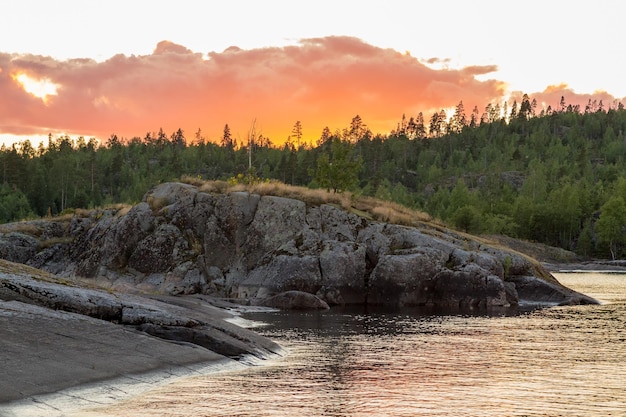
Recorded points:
27,228
55,241
367,207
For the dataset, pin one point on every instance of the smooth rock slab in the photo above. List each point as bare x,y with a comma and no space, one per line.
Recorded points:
44,351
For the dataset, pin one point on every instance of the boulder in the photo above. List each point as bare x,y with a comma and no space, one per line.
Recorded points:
44,351
110,242
159,251
532,290
58,296
282,273
405,279
277,221
343,268
18,247
471,286
293,300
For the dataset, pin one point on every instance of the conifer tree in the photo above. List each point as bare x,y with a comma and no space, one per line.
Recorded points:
338,169
296,132
227,139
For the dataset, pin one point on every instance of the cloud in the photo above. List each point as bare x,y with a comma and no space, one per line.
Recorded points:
480,69
438,61
551,97
165,47
320,82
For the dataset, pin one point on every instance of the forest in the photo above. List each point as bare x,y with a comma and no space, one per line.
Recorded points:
556,176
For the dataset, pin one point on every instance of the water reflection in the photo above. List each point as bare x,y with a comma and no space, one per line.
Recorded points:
561,361
351,320
607,287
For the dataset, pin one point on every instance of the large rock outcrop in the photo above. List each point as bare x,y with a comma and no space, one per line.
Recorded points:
181,240
58,333
204,326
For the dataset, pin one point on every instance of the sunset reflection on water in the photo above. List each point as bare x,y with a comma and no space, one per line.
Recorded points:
561,361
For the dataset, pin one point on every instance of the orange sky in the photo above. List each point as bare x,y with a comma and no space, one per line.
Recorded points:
320,82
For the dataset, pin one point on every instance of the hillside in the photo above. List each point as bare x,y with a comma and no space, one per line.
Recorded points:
557,177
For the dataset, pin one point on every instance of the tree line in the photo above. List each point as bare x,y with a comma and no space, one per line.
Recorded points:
555,176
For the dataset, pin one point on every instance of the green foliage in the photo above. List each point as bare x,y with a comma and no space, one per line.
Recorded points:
338,169
508,262
249,178
467,218
13,205
611,225
549,176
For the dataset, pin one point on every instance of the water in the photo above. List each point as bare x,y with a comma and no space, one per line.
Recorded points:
561,361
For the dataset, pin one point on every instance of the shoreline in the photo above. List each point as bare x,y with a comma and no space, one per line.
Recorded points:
608,267
53,360
111,391
58,363
93,363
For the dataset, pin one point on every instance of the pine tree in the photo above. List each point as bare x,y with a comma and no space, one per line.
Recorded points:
296,131
525,109
475,118
227,140
420,127
358,130
324,137
513,111
458,120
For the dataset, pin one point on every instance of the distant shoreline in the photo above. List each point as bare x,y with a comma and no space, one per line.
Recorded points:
618,266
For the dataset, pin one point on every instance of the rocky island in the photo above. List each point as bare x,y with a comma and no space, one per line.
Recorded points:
117,291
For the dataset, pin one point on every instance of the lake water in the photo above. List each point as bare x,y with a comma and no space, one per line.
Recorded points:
559,361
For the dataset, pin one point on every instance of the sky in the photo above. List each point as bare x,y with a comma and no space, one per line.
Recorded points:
95,68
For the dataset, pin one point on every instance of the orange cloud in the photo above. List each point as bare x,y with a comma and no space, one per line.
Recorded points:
551,96
320,82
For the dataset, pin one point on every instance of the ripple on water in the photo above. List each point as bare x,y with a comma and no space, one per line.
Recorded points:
562,361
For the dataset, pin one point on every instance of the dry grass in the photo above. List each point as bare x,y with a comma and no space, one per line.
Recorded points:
123,210
216,187
27,228
313,197
188,179
83,213
367,207
7,267
55,241
64,217
68,214
390,212
539,251
157,203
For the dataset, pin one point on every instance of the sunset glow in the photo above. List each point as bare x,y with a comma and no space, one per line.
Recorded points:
183,71
40,88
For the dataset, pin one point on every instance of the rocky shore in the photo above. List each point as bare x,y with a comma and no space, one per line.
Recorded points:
58,335
122,293
249,247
